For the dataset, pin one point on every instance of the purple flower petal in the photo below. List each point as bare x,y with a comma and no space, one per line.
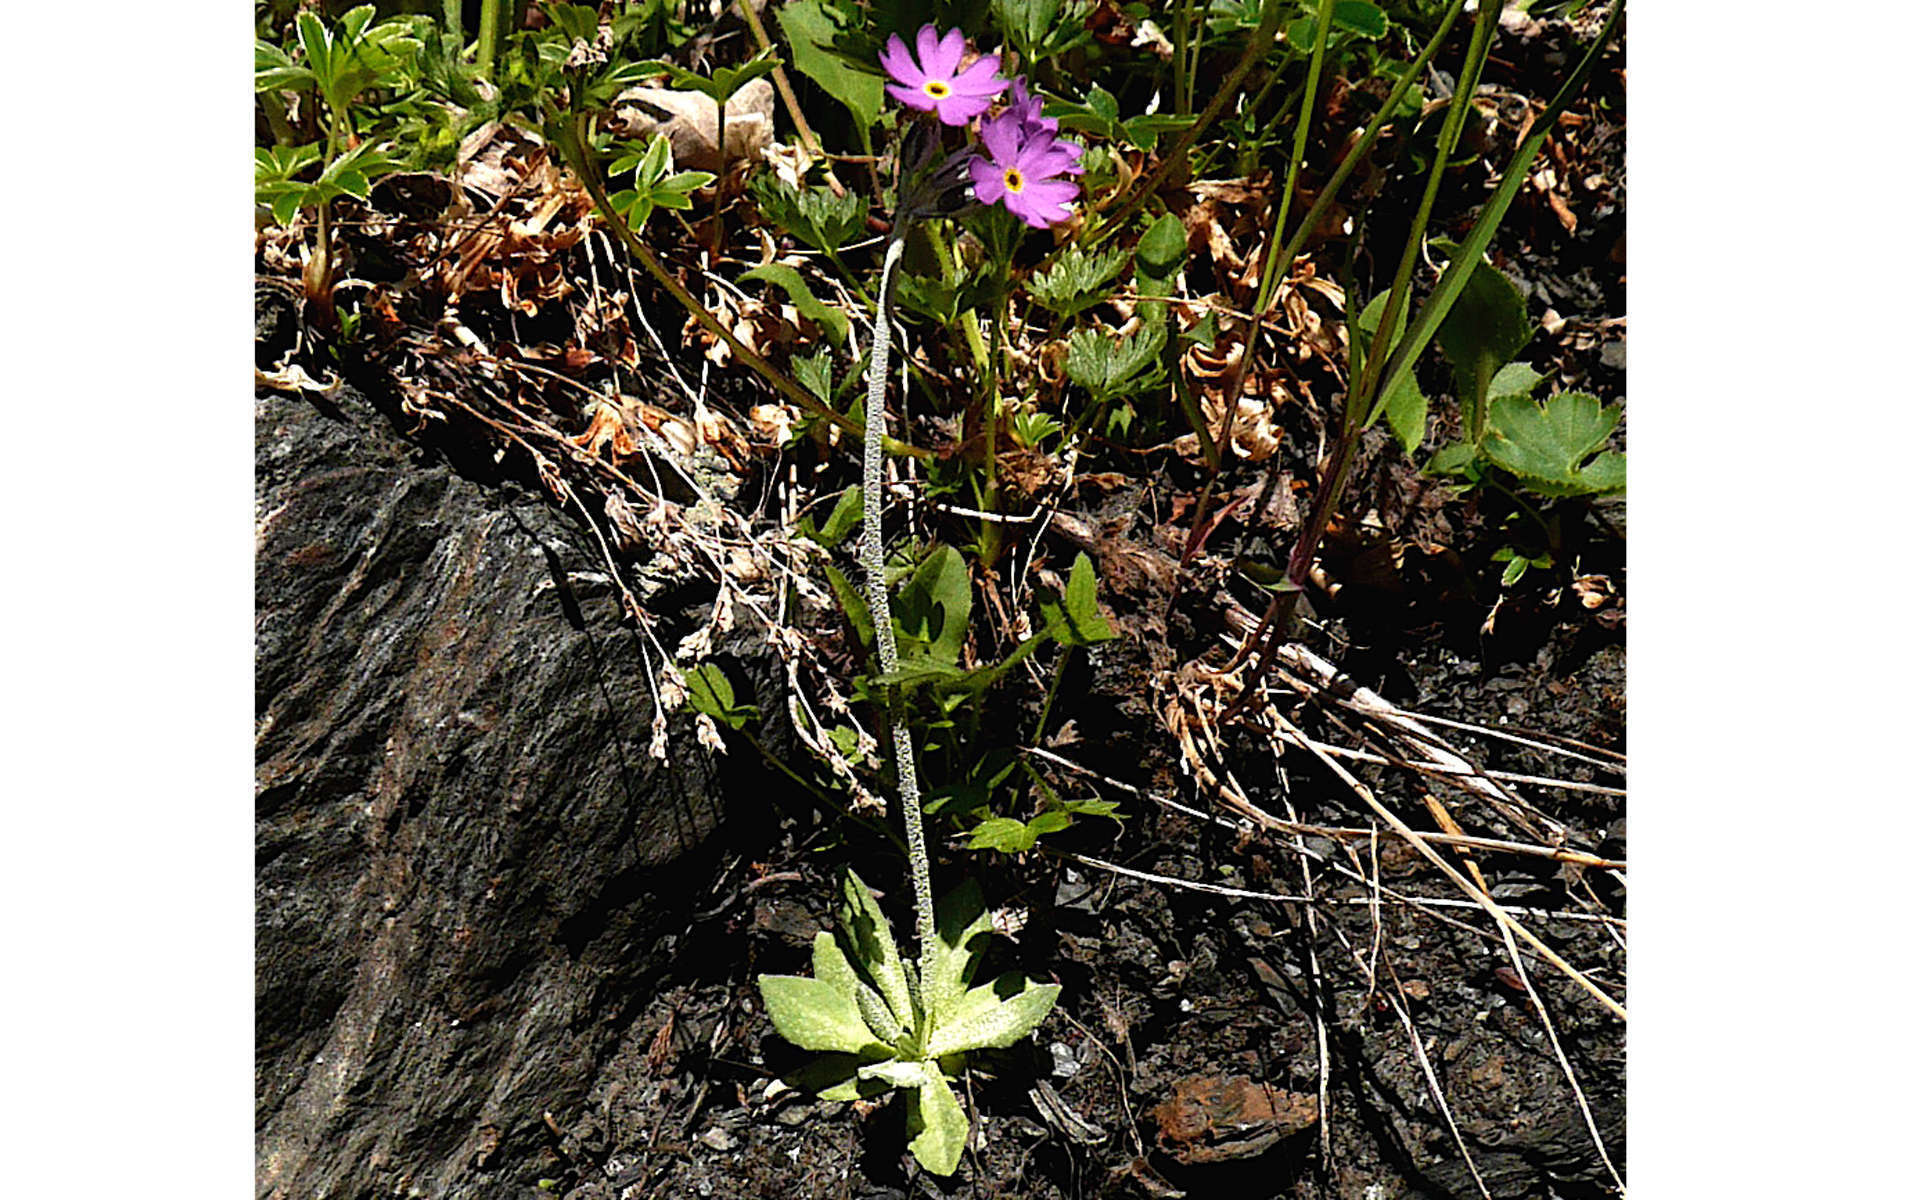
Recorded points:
899,63
912,97
979,78
1042,203
1001,137
958,110
939,56
989,183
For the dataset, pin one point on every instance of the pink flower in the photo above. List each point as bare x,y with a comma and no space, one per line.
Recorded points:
1025,108
934,83
1020,171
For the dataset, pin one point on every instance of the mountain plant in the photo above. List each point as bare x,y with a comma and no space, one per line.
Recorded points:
887,1022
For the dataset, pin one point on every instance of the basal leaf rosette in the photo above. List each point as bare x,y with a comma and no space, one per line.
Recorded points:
885,1026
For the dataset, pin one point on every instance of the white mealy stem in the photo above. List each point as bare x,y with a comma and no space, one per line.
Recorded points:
873,552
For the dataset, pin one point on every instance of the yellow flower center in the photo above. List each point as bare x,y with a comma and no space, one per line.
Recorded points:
1015,181
936,89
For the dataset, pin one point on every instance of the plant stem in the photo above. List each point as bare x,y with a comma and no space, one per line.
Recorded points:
873,552
489,37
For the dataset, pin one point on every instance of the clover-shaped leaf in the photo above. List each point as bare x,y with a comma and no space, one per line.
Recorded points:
1547,445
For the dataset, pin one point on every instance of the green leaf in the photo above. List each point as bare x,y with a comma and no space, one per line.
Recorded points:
815,373
836,1077
710,692
1074,619
852,603
994,1015
1082,609
1145,131
847,513
1077,280
1484,329
1515,379
789,280
1103,104
1457,459
830,964
1004,834
1546,444
867,934
816,216
1160,256
1094,808
935,605
1406,408
1359,17
900,1073
809,28
1107,368
815,1015
963,929
937,1125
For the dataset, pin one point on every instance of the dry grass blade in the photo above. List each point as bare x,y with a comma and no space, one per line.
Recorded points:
1479,897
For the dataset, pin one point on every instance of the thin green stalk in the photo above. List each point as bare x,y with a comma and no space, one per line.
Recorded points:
1280,265
450,20
1427,321
489,37
1053,689
991,535
1361,392
873,554
1269,279
1360,397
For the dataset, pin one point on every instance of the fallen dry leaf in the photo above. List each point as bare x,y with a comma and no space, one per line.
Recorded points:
691,122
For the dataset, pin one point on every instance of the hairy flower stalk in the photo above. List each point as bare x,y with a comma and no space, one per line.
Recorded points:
873,552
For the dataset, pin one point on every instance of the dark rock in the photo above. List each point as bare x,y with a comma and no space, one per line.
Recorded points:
468,867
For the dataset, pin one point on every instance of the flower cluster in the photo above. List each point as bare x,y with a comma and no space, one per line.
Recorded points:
1025,156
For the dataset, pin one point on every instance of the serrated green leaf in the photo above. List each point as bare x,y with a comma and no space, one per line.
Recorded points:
963,927
937,1125
1077,280
1514,379
809,28
815,1015
1108,368
790,281
1359,17
994,1016
868,938
1546,444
